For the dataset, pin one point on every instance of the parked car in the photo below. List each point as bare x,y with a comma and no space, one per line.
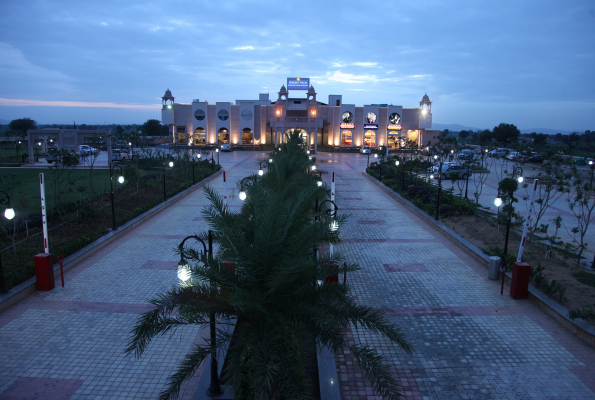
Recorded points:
85,149
466,154
365,150
500,152
448,169
436,167
513,155
122,154
533,158
227,147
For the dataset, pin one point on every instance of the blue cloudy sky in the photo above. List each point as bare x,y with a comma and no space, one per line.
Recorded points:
525,62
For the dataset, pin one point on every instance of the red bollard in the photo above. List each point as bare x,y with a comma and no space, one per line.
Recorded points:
44,272
519,285
334,278
228,266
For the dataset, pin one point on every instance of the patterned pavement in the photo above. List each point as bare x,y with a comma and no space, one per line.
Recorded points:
470,342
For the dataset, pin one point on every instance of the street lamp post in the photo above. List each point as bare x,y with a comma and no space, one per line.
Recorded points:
592,165
437,216
331,212
171,164
184,274
244,186
263,165
217,151
517,173
111,182
498,203
8,214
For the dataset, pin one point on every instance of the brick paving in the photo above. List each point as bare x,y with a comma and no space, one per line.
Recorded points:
470,342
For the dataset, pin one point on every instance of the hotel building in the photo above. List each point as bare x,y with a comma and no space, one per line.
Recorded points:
331,124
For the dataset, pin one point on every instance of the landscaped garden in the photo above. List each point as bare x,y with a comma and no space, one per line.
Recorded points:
79,204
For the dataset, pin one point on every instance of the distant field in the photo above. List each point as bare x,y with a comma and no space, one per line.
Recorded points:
26,182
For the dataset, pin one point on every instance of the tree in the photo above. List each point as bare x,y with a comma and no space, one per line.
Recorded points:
444,133
275,288
463,134
581,201
506,133
119,130
22,125
571,139
540,138
152,127
558,137
485,138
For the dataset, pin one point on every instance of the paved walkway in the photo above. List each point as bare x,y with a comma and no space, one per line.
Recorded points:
469,341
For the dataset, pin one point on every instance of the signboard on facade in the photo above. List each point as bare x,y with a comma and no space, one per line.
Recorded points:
371,126
298,83
394,127
347,126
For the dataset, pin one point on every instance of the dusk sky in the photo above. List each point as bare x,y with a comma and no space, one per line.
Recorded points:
530,63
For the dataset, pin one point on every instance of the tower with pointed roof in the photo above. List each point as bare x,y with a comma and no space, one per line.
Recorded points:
283,94
167,96
311,95
425,102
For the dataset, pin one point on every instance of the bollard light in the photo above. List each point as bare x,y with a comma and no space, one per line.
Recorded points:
121,179
397,163
9,213
260,172
242,195
171,164
498,202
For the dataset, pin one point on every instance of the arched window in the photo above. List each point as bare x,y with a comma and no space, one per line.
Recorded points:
223,135
346,138
370,138
200,137
247,136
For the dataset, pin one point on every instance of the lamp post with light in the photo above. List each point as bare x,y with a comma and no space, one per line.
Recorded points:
184,274
330,211
111,182
263,165
437,216
171,164
8,214
244,186
592,166
506,188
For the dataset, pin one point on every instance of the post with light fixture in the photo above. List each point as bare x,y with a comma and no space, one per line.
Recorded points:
217,151
263,165
331,212
184,274
111,182
437,216
244,186
512,184
592,166
8,214
171,164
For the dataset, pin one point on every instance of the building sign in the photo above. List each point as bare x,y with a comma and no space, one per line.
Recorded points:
347,126
394,127
371,126
298,83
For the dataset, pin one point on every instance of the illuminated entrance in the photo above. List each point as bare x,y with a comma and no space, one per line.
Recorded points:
247,136
200,137
303,134
370,138
394,140
346,138
223,136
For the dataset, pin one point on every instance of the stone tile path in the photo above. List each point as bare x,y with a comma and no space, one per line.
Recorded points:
469,341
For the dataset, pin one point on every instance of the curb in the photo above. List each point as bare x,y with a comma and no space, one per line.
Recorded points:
24,289
580,328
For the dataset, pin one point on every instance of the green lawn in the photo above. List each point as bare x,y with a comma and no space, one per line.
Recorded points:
25,181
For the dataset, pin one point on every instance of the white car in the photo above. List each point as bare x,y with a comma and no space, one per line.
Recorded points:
365,150
500,152
513,155
85,149
436,167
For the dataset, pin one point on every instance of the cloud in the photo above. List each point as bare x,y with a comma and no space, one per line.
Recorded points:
338,76
244,48
22,102
365,64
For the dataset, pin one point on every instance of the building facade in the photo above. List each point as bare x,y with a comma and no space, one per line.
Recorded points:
262,121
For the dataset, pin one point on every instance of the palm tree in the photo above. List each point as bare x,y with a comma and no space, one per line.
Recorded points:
274,289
